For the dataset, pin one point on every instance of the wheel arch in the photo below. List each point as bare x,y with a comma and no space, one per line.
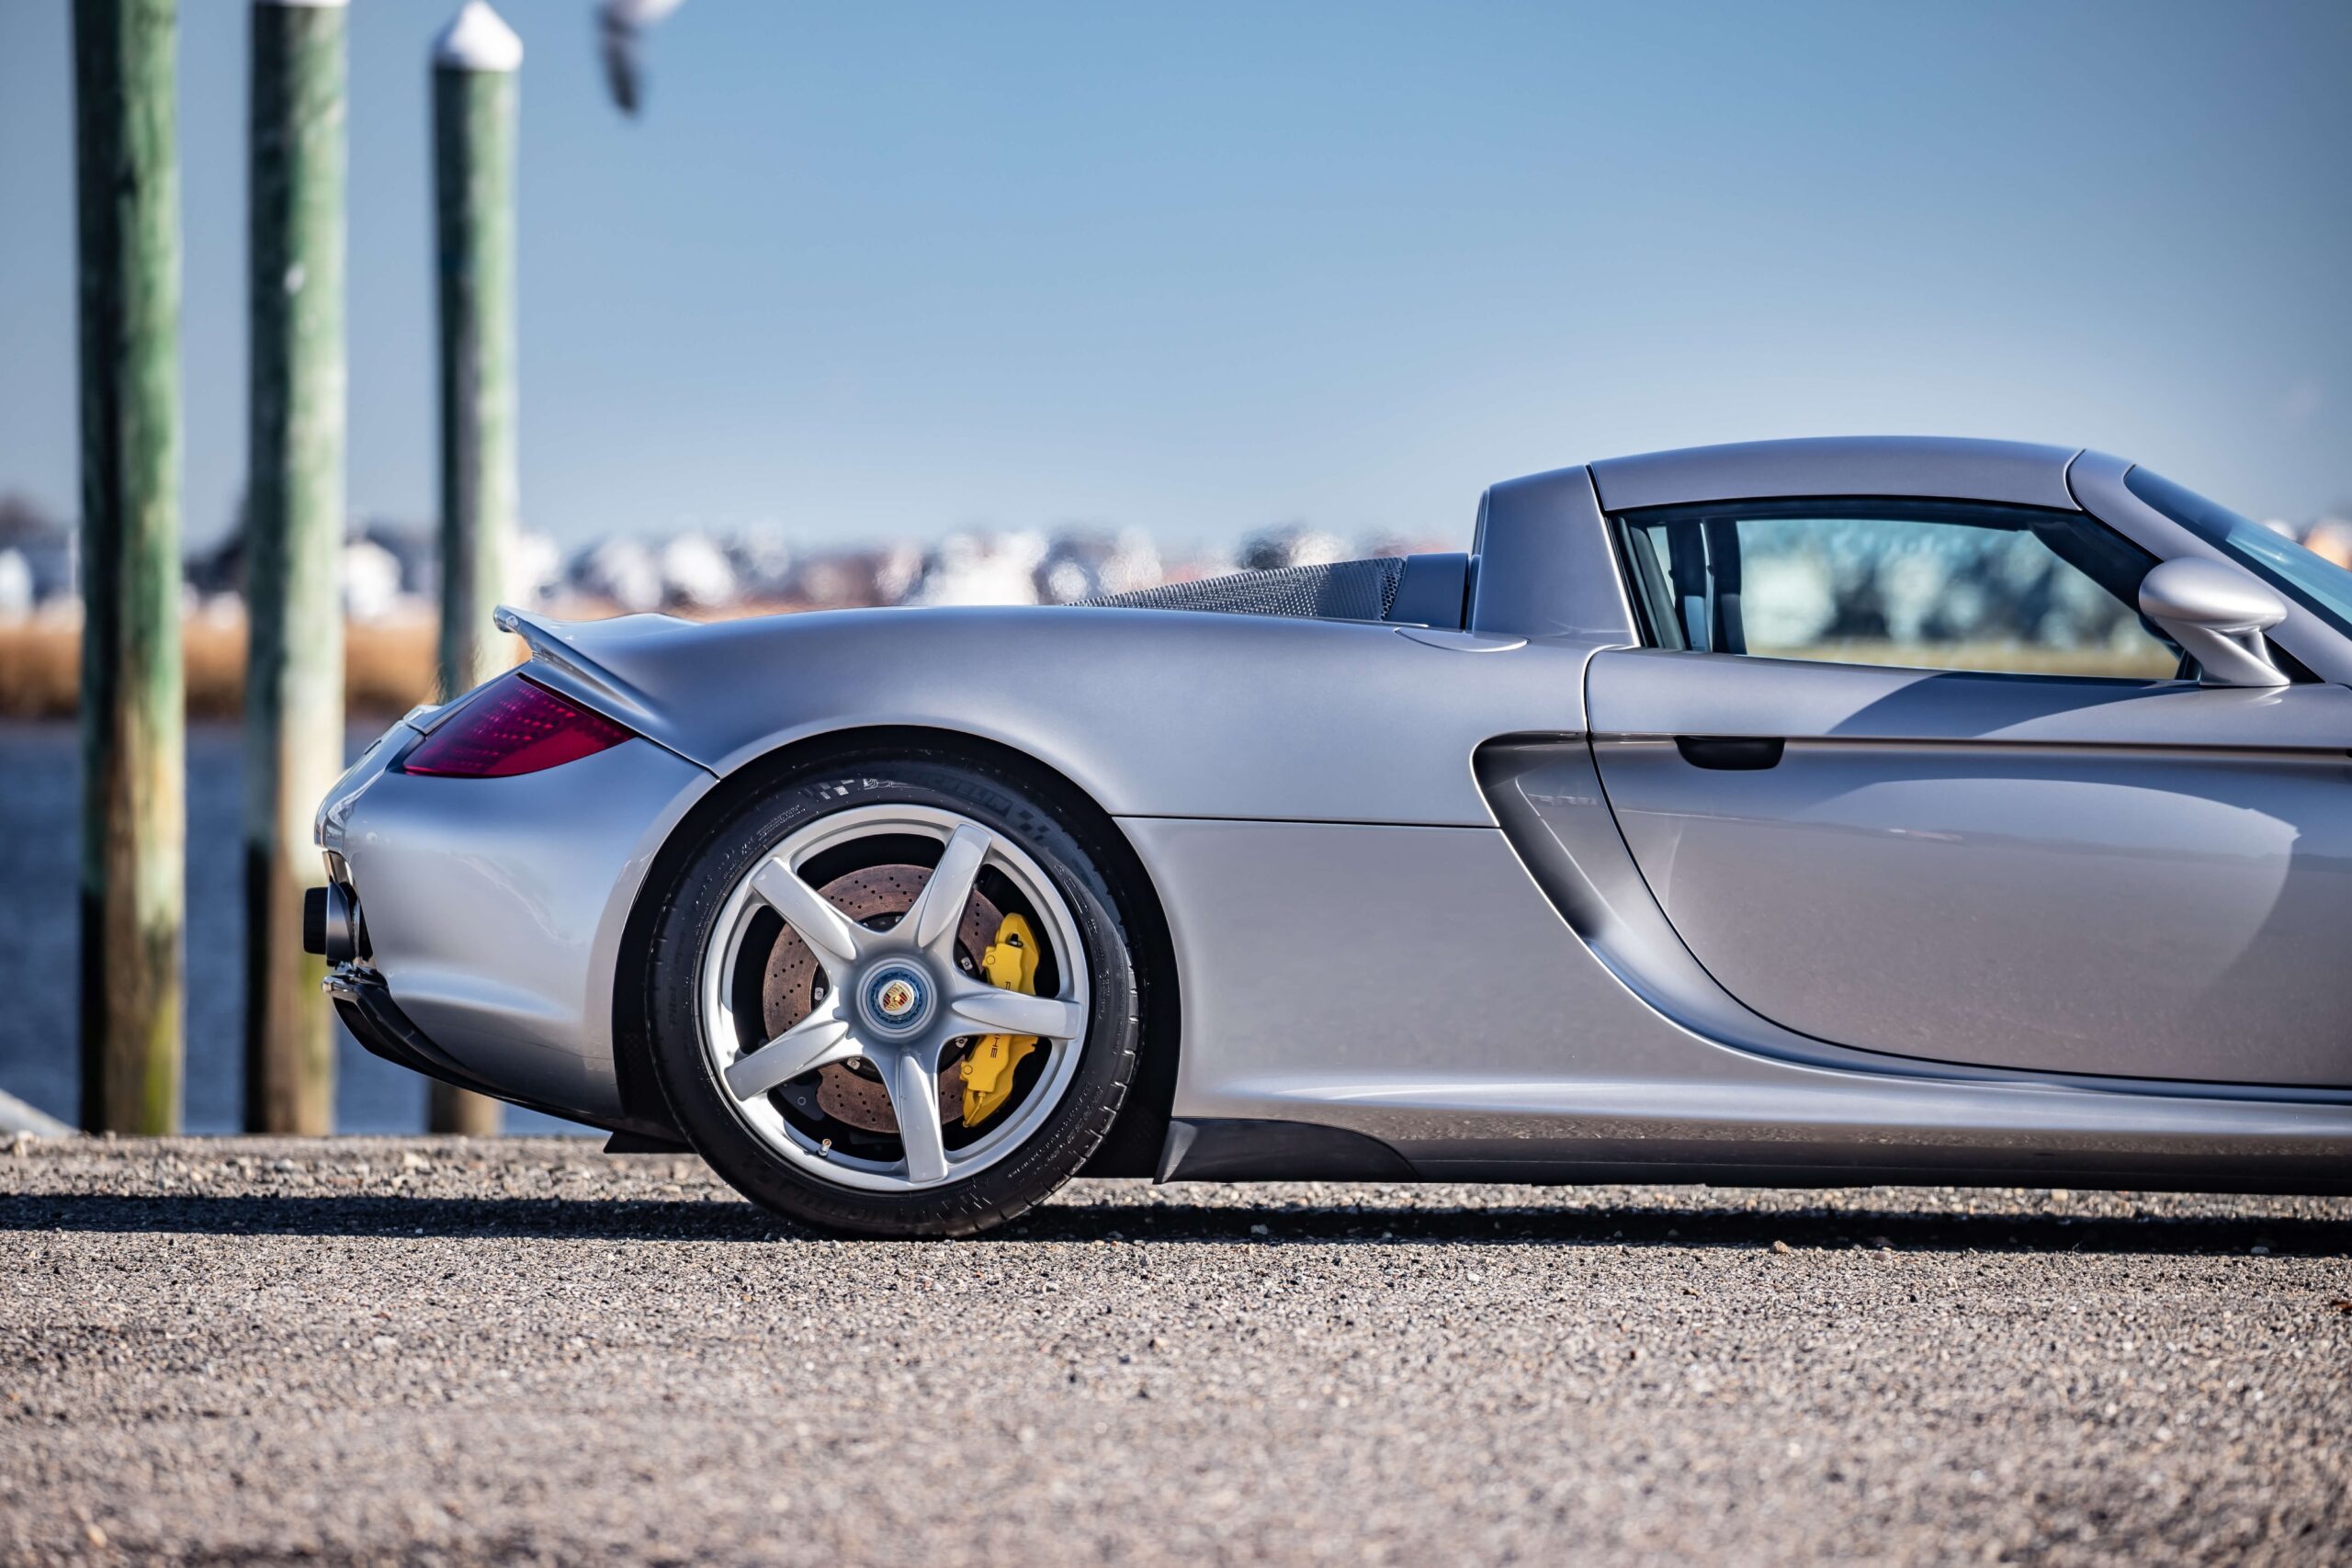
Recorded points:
1133,1145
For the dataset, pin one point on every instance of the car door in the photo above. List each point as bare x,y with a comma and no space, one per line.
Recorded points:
1913,777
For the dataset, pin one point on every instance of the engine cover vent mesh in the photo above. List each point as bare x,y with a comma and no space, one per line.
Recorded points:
1343,591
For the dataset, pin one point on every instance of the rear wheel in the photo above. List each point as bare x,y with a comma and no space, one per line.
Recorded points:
895,998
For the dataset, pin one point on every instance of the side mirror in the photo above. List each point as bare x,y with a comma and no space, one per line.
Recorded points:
2219,614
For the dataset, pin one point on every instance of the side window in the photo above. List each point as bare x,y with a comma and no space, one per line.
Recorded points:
1931,585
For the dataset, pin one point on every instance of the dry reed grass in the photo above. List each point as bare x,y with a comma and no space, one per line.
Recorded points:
389,666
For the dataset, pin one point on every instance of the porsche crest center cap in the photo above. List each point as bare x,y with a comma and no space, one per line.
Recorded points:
898,998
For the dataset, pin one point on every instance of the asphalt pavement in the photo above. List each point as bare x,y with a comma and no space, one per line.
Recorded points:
251,1351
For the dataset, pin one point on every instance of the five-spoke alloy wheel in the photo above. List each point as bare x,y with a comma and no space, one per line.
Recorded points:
898,1000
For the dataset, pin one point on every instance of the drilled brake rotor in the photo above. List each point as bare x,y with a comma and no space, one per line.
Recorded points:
875,897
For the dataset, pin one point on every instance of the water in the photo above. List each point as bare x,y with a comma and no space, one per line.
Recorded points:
39,935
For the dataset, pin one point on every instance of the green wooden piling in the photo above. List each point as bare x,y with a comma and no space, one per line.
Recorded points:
293,545
134,744
475,64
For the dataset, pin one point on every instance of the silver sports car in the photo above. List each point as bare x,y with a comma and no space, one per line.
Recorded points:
1872,810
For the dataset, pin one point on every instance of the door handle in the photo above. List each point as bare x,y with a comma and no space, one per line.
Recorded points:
1731,753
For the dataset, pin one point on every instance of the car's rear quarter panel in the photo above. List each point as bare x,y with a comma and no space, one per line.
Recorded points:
499,905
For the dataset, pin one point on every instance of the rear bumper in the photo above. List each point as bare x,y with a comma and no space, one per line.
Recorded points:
486,916
367,1009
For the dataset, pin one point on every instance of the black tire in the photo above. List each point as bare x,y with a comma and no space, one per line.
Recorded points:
705,1112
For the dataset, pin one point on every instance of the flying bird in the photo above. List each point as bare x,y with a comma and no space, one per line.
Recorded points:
623,25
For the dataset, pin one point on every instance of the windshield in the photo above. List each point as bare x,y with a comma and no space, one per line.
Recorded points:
2316,584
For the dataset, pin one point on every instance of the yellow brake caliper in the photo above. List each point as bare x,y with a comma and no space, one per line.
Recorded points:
1010,962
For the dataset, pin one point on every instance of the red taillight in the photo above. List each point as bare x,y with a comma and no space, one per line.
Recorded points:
514,728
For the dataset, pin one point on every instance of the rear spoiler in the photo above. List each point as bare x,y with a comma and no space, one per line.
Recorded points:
557,645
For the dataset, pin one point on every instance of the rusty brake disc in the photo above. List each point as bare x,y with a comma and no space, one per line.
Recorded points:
873,897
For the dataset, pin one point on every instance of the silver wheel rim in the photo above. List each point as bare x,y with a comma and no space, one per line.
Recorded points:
894,998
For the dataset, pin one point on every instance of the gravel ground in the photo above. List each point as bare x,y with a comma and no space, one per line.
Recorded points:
411,1350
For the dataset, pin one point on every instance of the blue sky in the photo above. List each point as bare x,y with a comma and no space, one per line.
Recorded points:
896,269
